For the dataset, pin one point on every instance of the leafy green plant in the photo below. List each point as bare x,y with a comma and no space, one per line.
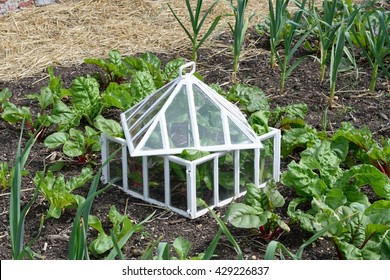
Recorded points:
197,24
121,226
359,145
48,99
6,174
17,215
239,30
85,98
113,67
58,191
275,247
76,144
335,193
180,245
258,211
5,95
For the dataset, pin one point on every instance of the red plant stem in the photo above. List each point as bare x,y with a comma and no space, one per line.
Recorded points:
339,255
380,167
367,239
387,170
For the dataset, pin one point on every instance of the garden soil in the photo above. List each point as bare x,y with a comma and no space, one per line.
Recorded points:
353,104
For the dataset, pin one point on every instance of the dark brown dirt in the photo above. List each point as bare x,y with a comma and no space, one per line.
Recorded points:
354,104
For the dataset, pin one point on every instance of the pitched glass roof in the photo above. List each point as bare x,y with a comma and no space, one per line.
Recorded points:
186,114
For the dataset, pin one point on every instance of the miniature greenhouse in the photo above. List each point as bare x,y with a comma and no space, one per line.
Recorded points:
184,142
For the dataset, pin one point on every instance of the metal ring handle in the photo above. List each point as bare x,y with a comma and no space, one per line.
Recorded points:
187,65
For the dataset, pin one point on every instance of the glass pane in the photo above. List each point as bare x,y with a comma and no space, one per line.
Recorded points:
266,160
147,118
134,174
247,168
156,178
178,182
237,136
115,165
226,176
155,140
205,183
209,119
179,122
139,109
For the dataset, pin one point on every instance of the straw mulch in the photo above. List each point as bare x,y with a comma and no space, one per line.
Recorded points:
66,33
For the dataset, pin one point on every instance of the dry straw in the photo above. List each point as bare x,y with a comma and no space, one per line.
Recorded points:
66,33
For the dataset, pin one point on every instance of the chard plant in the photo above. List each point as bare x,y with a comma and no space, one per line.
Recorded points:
59,192
75,143
334,194
6,174
359,146
122,227
239,30
197,21
113,67
47,100
82,145
180,245
258,211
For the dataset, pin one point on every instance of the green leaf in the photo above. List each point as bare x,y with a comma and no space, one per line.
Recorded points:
86,97
57,166
142,84
305,181
118,95
259,122
94,222
74,149
379,212
5,94
115,217
335,198
171,70
361,175
62,115
115,57
267,198
298,138
245,216
182,247
101,244
348,251
108,126
13,114
56,139
45,98
250,98
153,61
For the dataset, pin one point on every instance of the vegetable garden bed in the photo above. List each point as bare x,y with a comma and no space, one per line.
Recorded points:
302,125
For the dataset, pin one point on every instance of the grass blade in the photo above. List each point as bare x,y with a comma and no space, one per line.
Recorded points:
224,229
